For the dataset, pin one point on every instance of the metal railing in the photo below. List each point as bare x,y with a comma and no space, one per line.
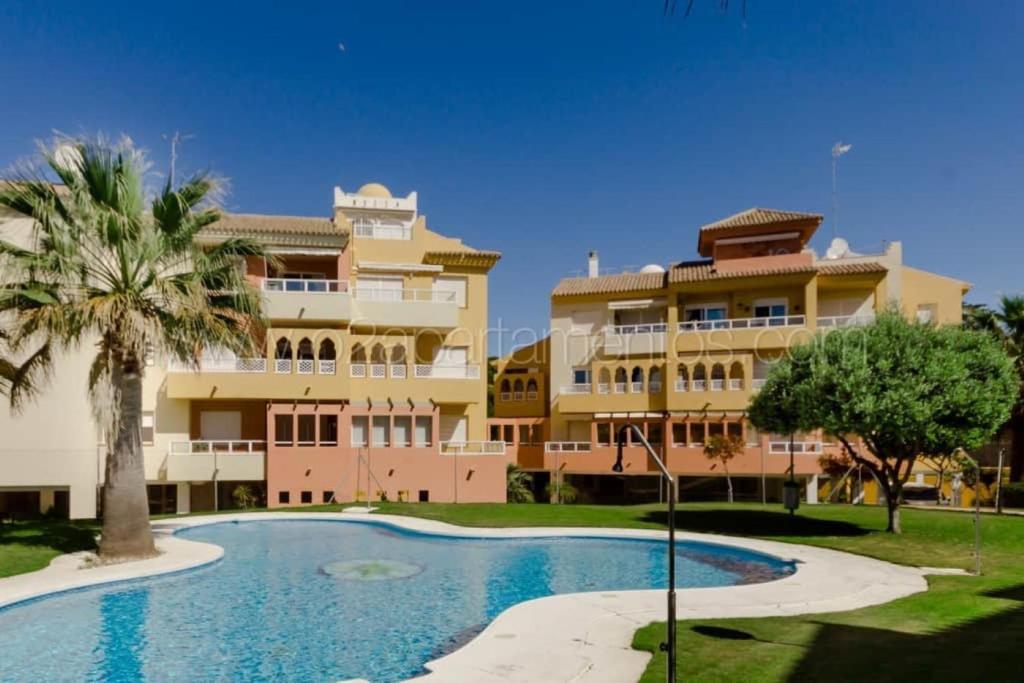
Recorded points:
209,446
567,447
447,371
433,296
304,286
833,321
472,447
640,328
576,389
742,323
799,447
233,365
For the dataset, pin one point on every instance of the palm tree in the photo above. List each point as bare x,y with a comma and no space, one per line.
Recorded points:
1007,323
517,485
109,269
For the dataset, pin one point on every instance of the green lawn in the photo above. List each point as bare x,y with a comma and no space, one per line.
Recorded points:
963,628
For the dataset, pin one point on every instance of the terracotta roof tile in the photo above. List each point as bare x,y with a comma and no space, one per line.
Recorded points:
259,224
702,271
759,216
469,258
609,284
839,268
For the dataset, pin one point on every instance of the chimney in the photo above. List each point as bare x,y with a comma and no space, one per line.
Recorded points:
592,265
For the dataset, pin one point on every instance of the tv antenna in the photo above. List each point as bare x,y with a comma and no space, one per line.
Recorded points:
176,138
838,150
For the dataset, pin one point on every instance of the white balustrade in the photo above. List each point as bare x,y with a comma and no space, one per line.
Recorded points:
447,371
641,328
282,366
472,447
304,286
398,370
742,323
576,389
327,367
567,446
799,447
833,321
357,370
304,366
209,446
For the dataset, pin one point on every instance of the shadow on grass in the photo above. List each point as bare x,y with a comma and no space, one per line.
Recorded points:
755,523
984,649
63,536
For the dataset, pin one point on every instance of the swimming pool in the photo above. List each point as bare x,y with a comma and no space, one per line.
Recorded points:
330,600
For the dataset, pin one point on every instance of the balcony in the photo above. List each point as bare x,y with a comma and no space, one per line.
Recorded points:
244,366
643,339
567,447
743,323
301,299
447,372
204,460
406,308
778,332
834,321
799,447
255,378
472,448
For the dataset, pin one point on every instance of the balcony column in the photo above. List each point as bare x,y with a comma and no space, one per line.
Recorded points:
811,303
184,497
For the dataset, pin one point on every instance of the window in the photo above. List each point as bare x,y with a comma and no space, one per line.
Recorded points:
381,229
524,433
716,429
328,496
537,435
705,312
495,432
283,430
307,430
403,431
581,375
679,433
360,429
148,428
424,496
508,433
381,429
734,429
697,434
284,497
770,308
927,313
328,430
654,434
450,289
306,497
424,429
753,436
604,433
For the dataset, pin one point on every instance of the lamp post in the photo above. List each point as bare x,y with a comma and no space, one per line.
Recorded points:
668,647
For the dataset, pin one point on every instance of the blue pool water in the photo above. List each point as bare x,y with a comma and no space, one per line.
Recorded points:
323,601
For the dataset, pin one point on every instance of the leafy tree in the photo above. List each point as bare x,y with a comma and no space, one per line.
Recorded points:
904,389
107,268
517,485
244,496
723,449
1006,323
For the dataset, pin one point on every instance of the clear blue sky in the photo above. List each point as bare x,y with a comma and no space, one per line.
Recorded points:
545,129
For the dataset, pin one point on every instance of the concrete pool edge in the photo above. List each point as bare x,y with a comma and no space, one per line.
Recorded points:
569,637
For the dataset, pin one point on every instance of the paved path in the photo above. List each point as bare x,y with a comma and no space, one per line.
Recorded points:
580,637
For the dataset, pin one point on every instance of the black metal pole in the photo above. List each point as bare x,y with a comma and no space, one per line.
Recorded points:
671,654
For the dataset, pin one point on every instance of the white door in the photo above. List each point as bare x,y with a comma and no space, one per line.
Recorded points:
451,289
453,428
220,425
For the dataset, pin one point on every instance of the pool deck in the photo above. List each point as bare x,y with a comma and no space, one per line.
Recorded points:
578,637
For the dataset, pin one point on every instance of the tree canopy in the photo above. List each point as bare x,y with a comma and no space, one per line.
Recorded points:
892,391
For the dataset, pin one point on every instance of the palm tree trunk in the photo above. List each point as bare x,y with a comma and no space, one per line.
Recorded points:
126,532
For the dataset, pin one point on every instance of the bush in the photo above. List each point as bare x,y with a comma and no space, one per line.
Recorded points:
1013,494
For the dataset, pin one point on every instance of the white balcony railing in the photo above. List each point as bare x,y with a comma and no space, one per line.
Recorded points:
682,385
742,323
636,387
472,447
717,384
506,396
305,366
566,446
233,365
620,387
382,231
833,321
603,388
378,370
357,370
799,447
735,385
642,328
304,286
432,296
398,370
654,387
447,371
518,396
699,385
576,389
282,366
208,446
327,367
531,395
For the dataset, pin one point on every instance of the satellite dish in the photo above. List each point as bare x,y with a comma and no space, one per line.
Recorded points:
652,268
837,249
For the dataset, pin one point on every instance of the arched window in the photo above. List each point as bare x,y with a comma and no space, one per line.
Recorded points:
398,367
283,356
700,378
517,390
604,381
378,362
620,380
636,379
506,390
717,377
358,353
736,376
654,380
327,363
304,357
531,389
682,378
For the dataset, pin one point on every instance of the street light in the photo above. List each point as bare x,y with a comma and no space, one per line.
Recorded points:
668,647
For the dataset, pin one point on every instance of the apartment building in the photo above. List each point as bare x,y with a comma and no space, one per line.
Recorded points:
370,382
679,351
